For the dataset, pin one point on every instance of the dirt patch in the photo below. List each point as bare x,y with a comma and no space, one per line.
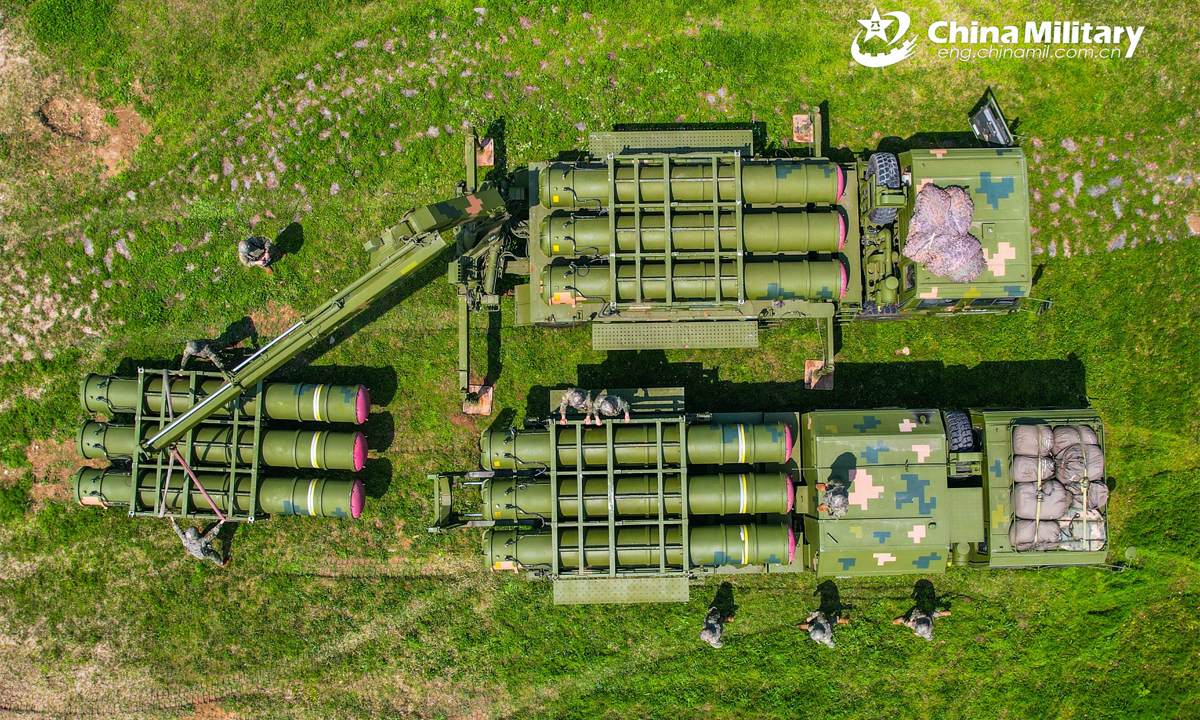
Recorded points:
76,118
209,711
1193,223
53,463
273,320
123,141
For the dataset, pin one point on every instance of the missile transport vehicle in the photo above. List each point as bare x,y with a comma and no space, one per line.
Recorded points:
678,238
631,512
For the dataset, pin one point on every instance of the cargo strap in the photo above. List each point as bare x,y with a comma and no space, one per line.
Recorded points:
192,475
166,399
1083,485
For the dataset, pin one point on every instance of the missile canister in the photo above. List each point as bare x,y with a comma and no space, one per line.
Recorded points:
763,232
773,182
214,445
637,495
283,401
775,280
707,444
637,546
276,496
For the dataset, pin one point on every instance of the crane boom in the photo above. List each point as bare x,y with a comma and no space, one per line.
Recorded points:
401,250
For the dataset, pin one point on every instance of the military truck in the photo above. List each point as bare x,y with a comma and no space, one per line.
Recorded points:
672,496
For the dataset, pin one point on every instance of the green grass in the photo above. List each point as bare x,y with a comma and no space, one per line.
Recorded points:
104,615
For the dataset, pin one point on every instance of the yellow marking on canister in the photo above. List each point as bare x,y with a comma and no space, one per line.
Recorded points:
554,198
317,403
311,487
742,509
741,443
555,248
495,463
745,546
312,450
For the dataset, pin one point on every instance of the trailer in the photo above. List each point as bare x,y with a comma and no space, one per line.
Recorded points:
634,512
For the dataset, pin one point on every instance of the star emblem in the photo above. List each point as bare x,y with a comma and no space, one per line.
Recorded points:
876,26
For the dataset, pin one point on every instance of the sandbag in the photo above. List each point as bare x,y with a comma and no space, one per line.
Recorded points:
1033,440
1031,469
1097,496
1074,462
1067,435
1021,535
1055,500
1072,532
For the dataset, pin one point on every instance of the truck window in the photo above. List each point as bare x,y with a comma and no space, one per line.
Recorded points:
938,303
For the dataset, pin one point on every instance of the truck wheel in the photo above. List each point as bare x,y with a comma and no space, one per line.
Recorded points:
959,435
886,169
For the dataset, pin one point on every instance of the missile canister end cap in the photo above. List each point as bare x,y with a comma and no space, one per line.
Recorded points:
358,498
363,406
787,440
360,451
841,231
845,280
841,173
79,439
791,545
791,493
83,383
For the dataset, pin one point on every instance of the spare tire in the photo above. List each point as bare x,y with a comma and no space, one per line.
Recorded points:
886,170
960,437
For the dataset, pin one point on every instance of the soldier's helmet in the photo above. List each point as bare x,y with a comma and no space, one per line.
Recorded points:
923,627
192,534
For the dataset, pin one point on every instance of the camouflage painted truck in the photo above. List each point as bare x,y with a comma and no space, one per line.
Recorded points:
632,512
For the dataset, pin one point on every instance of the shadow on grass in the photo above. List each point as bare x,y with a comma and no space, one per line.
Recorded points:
919,384
831,600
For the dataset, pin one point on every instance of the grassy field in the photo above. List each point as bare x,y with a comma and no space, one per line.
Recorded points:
224,117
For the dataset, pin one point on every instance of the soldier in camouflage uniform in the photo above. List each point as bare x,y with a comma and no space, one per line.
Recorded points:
714,625
607,406
819,627
209,350
835,501
576,399
921,621
257,251
200,546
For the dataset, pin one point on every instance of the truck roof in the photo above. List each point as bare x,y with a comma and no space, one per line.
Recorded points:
997,181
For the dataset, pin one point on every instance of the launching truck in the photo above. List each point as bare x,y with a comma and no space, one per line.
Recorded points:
626,512
660,238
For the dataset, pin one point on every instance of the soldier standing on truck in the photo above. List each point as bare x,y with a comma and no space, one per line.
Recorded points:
921,621
256,251
714,625
200,546
607,406
577,399
820,628
209,350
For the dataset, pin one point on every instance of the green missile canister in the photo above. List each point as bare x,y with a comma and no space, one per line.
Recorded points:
762,232
775,280
637,546
770,182
214,445
319,402
637,495
707,444
276,496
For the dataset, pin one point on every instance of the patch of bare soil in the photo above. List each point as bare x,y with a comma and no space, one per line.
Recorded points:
53,464
274,319
76,118
93,139
209,711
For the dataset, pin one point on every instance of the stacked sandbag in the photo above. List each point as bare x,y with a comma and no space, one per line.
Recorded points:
1050,469
939,234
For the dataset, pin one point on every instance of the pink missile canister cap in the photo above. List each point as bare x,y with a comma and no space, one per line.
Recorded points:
791,493
841,181
845,280
360,451
791,545
363,408
787,439
841,230
358,498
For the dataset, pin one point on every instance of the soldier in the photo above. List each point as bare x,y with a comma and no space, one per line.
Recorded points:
921,621
607,406
577,399
819,628
200,546
257,251
714,625
209,350
835,501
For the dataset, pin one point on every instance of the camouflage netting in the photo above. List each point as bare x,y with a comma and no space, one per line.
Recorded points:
1051,509
939,234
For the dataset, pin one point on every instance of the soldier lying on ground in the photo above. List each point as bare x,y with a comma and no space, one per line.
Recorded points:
257,251
576,399
921,621
819,627
714,625
607,406
209,350
200,546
